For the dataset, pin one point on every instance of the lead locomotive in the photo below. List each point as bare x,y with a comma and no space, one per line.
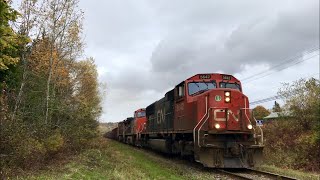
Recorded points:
206,116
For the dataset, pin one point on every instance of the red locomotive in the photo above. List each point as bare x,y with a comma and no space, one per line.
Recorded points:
206,116
129,130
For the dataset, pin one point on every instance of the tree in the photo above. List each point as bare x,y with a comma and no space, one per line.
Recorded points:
303,101
276,107
49,100
85,105
260,112
295,141
9,41
28,23
61,23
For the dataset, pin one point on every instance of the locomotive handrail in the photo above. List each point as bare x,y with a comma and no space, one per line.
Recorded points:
260,129
194,130
202,122
201,127
254,129
245,108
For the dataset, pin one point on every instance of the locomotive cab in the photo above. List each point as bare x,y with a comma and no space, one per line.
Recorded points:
217,95
139,125
140,120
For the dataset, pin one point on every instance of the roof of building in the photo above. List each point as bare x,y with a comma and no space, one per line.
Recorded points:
272,115
275,115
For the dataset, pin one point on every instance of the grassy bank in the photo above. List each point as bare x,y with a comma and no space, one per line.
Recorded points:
113,160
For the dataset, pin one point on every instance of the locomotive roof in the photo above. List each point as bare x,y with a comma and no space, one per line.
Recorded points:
214,74
141,109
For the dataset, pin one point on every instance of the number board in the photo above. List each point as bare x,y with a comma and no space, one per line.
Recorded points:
204,76
225,77
259,122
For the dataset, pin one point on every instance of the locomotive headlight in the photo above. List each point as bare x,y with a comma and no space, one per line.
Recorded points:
227,99
227,93
217,126
249,126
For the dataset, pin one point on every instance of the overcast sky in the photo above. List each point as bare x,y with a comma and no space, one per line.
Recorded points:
143,48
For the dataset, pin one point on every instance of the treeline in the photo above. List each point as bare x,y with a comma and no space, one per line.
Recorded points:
49,99
293,139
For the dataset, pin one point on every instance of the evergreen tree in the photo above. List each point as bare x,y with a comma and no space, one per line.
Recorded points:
276,107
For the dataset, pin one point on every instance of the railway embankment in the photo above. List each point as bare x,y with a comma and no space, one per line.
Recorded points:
108,159
113,160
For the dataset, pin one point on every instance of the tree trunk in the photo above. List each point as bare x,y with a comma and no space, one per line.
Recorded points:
48,83
19,97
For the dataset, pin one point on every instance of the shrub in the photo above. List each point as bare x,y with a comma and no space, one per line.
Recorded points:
54,143
289,146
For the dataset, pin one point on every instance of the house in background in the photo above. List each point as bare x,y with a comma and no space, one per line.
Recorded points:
277,115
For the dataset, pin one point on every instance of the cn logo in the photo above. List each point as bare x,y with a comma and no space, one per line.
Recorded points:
160,116
229,113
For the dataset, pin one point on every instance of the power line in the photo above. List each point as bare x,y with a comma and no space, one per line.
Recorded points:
284,65
298,62
266,100
272,98
290,60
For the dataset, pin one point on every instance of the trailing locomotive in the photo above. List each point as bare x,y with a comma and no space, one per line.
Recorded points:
206,116
129,130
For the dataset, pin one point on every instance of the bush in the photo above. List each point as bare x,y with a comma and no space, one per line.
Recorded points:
295,142
54,143
289,146
19,147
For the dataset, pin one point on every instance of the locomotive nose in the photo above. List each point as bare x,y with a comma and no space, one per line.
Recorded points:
231,114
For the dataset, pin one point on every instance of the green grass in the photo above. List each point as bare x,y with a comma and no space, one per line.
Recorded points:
112,160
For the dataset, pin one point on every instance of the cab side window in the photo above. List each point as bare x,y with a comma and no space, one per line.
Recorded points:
181,91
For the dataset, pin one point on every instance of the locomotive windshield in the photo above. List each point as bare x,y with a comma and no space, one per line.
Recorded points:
141,114
195,87
230,85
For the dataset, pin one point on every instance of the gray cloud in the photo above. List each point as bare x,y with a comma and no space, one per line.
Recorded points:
265,41
143,48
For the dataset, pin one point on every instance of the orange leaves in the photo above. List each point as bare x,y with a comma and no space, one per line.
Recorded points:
39,63
260,112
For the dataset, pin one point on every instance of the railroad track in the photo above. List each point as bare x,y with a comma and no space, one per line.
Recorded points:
253,174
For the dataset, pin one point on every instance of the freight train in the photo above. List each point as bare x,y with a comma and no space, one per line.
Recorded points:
206,116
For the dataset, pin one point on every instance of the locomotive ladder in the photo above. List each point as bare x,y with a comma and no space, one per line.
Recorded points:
200,123
260,135
198,127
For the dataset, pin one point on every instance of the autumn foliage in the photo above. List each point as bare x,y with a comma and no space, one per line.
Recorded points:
294,142
260,112
49,99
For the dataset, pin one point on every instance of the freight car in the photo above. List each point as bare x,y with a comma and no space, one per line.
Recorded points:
113,134
206,116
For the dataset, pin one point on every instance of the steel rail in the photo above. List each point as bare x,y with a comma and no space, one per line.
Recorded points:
235,175
274,175
253,172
